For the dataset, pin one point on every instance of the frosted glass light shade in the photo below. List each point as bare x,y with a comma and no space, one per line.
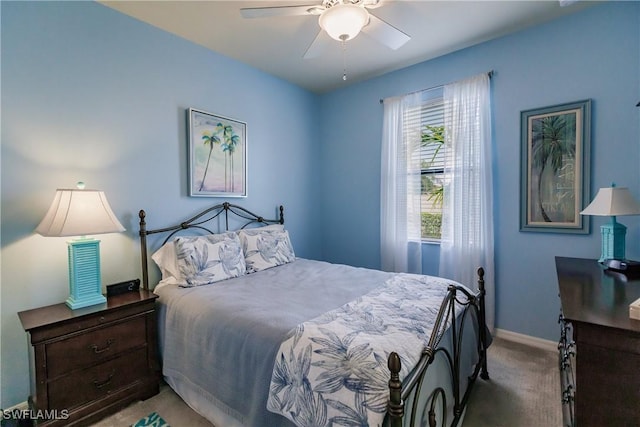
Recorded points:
344,21
78,213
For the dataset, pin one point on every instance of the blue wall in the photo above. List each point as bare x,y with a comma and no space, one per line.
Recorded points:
91,94
592,54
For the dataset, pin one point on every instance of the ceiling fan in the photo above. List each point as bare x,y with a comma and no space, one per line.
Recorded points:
342,20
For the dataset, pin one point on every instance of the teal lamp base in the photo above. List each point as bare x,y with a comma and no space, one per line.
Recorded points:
613,240
85,285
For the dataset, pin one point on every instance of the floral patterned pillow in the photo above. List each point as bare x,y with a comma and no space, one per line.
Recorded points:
203,260
265,248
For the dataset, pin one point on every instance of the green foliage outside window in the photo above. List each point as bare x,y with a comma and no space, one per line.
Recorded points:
432,138
431,225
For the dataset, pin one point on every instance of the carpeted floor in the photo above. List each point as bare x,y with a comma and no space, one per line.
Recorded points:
166,403
524,391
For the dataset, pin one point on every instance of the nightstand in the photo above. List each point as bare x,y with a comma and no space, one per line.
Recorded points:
88,363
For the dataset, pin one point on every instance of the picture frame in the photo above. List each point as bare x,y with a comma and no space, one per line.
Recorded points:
555,168
217,152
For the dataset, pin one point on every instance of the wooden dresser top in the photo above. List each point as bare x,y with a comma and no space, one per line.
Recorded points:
590,294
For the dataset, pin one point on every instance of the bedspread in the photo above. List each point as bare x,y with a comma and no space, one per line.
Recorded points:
332,370
220,340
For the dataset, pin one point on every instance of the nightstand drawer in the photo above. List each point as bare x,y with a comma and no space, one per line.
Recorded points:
90,348
72,325
93,383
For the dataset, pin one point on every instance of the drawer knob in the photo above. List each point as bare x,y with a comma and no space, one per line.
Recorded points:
100,384
567,395
97,350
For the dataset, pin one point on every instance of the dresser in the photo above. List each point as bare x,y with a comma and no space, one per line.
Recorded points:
88,363
599,345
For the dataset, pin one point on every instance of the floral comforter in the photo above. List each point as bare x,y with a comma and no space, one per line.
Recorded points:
332,370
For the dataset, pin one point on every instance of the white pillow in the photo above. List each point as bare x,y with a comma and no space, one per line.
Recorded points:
165,258
265,248
208,259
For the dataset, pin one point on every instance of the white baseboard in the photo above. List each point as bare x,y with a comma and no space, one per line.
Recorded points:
526,340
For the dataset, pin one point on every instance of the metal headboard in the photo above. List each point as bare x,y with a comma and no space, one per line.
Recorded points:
199,222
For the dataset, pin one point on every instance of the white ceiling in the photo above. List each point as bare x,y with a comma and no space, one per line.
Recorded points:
276,45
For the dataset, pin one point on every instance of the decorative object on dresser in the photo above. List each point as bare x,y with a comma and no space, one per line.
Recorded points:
613,201
80,212
89,363
606,345
634,309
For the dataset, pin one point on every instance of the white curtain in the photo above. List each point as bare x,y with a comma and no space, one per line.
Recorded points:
467,217
400,238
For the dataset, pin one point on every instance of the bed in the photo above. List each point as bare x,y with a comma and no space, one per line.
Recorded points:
252,336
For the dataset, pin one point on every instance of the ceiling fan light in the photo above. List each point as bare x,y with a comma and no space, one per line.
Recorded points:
344,21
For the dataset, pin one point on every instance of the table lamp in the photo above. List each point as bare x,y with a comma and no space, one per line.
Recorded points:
613,201
80,212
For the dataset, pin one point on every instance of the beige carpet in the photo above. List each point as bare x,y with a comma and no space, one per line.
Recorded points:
524,391
166,403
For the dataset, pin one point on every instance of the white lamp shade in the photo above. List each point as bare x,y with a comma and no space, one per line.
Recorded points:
613,201
344,21
79,213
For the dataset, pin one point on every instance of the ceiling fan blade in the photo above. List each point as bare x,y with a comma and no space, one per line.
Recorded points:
385,33
267,12
318,46
372,4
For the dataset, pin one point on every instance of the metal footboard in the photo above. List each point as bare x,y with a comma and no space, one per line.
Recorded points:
407,406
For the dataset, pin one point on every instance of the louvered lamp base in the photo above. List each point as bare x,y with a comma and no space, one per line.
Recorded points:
85,285
613,240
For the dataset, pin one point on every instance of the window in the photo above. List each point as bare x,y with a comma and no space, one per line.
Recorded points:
429,118
463,108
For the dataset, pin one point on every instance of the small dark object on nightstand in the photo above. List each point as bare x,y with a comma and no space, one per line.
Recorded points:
122,287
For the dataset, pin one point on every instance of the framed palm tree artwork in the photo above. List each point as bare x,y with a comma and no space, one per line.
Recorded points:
555,168
217,155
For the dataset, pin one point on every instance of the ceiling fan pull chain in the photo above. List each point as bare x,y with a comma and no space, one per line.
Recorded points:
344,60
